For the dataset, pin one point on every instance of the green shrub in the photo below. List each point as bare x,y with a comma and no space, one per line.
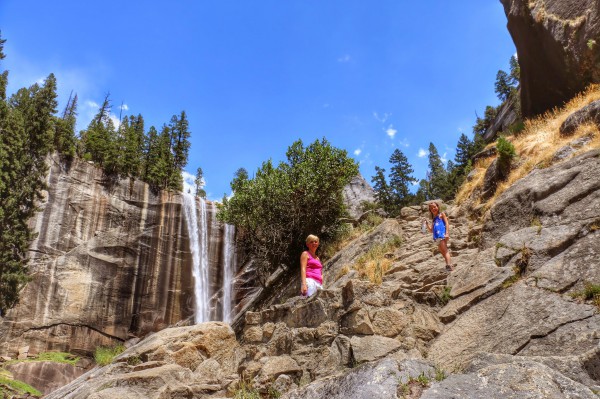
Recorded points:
506,153
105,355
245,390
18,386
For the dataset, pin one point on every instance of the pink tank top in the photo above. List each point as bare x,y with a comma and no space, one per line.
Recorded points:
313,268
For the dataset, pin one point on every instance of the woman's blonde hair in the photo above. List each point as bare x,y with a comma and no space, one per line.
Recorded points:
311,237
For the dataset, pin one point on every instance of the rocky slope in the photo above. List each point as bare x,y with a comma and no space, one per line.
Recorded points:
111,261
505,324
558,45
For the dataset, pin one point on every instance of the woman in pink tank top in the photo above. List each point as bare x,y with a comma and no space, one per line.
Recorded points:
311,268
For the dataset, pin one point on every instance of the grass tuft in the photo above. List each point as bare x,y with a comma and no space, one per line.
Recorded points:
105,355
18,387
374,264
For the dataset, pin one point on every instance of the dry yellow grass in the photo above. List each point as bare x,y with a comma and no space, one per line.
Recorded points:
536,145
374,264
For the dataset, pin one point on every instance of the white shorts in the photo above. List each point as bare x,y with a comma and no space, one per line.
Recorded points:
312,286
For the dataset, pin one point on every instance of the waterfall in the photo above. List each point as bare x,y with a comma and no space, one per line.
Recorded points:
228,270
199,250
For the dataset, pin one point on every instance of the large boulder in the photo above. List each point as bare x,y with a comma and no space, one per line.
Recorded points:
184,362
558,44
355,193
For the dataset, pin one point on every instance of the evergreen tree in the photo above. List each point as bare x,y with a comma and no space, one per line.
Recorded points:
27,124
400,179
503,85
199,182
515,71
383,192
180,145
437,176
422,193
133,149
65,141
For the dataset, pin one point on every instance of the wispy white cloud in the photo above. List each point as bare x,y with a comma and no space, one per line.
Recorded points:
422,153
404,143
390,131
344,58
381,118
124,107
189,182
357,151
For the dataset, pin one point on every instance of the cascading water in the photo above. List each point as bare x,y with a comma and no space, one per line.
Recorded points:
228,270
199,250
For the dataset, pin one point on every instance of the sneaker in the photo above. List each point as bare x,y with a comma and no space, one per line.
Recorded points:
449,268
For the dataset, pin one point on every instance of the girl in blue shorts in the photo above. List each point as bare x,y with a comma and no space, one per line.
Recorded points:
441,232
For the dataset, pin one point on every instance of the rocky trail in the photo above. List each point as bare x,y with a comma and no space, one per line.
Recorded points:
496,327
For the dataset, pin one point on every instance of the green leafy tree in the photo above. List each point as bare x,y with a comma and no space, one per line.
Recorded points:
240,178
280,206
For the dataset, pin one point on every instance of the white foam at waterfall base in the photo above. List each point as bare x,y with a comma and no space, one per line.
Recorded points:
228,270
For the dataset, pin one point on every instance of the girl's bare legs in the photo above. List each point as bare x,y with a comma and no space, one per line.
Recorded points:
443,247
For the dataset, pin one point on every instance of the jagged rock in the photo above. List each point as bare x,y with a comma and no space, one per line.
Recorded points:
379,380
357,322
275,366
521,378
564,152
369,348
558,47
355,193
518,320
507,115
588,114
159,375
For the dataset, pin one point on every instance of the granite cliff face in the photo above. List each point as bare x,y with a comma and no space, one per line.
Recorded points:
111,262
558,44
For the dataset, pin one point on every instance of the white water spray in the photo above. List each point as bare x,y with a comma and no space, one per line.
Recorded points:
228,270
199,249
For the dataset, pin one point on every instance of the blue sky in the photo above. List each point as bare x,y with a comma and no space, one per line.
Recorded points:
254,76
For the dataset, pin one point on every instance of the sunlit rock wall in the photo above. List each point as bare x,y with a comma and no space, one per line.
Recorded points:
111,261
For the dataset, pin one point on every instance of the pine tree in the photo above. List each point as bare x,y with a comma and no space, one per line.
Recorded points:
400,179
503,86
383,192
199,182
437,176
180,145
65,141
133,149
515,71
